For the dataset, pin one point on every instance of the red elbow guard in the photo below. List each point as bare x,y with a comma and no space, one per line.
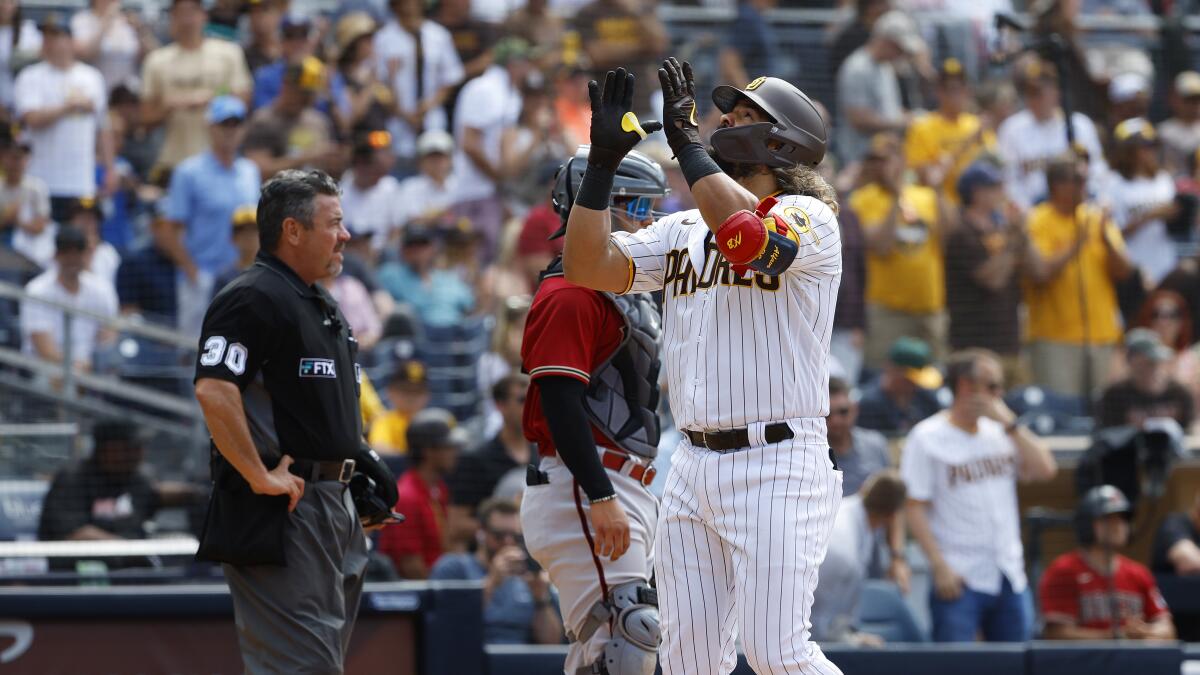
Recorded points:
742,237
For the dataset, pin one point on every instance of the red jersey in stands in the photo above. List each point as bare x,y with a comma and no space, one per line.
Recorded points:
1072,592
424,508
569,332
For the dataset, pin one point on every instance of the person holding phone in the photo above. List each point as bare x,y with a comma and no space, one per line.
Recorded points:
518,605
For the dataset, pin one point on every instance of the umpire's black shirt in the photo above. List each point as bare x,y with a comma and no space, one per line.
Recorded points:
287,347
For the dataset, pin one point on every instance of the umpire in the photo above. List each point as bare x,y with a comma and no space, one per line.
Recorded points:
277,382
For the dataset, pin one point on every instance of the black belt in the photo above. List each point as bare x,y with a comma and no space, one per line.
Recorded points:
735,439
313,472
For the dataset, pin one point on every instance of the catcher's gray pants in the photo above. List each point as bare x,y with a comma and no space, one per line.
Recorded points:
297,619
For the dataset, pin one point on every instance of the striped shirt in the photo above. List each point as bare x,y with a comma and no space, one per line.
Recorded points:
740,351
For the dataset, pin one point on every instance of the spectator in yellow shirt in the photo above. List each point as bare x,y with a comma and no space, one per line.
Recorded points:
942,143
408,393
903,227
1078,255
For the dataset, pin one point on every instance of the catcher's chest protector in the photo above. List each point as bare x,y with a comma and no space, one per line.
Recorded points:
622,398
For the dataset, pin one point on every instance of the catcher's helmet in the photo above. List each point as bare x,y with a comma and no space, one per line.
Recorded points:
1100,501
637,176
796,125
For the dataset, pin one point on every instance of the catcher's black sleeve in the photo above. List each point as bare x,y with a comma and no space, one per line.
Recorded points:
562,404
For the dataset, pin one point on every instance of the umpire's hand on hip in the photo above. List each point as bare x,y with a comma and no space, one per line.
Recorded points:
279,481
610,528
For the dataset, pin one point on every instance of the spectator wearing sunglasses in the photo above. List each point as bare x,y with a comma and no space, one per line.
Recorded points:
480,469
1149,391
859,452
518,607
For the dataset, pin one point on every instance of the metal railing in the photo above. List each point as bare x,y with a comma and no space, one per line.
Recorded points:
73,393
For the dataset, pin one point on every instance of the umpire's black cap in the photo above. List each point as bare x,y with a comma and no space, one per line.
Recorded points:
797,126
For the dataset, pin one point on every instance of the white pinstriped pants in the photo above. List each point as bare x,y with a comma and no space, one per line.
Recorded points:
741,536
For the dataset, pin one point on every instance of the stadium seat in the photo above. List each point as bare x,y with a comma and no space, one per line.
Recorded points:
882,611
21,508
451,355
1050,413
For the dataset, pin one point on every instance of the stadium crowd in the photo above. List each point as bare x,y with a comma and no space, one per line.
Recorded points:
133,151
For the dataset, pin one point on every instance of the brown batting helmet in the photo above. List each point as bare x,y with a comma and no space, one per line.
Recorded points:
796,126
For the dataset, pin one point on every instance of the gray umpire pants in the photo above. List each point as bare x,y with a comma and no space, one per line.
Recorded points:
297,619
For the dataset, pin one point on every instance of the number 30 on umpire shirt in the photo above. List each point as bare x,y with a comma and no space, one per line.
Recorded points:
290,351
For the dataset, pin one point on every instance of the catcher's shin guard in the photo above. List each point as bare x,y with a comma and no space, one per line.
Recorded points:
632,650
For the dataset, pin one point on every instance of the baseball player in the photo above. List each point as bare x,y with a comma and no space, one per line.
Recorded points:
588,515
749,282
1095,593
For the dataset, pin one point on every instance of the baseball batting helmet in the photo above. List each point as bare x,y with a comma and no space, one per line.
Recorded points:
637,176
1100,501
795,125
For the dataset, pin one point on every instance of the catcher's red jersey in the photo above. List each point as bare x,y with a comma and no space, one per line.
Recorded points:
569,332
1072,592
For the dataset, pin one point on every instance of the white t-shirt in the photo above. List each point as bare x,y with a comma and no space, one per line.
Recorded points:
105,261
842,574
117,59
502,110
420,195
440,67
970,482
1026,145
375,209
1151,247
64,153
95,295
33,200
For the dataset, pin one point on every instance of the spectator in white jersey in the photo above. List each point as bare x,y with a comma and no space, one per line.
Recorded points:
371,203
43,326
1141,195
1030,138
1181,132
961,467
862,521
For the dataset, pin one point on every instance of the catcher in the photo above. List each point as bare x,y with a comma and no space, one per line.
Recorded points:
588,515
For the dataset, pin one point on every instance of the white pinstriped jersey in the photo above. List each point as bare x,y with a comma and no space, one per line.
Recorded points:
742,350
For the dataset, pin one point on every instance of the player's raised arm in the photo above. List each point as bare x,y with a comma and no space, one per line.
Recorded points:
589,258
768,126
717,195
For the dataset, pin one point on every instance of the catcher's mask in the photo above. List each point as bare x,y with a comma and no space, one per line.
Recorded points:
639,181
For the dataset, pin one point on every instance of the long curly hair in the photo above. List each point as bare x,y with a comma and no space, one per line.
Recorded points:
804,180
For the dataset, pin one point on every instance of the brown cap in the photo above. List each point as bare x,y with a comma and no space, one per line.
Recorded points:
350,28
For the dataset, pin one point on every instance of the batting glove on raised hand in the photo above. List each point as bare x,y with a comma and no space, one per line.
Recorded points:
615,129
679,104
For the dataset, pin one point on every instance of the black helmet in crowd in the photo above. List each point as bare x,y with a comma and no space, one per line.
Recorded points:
637,176
796,125
1100,501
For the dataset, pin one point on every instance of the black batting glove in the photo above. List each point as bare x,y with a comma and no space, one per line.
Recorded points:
679,104
615,129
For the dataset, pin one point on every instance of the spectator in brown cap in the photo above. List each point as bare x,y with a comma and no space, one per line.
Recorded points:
408,394
1181,133
290,133
362,100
